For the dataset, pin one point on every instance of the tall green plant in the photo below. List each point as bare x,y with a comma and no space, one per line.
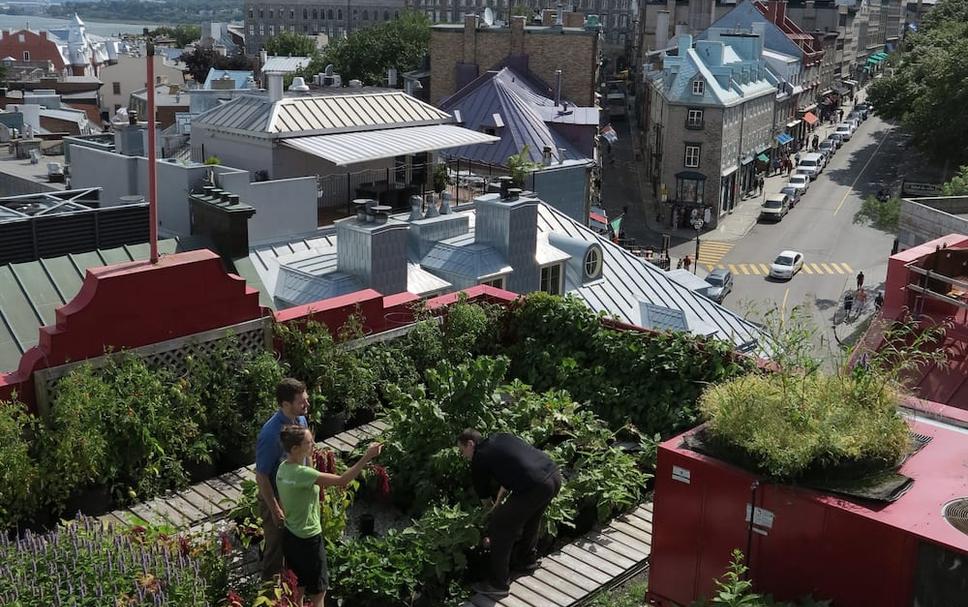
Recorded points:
20,474
520,166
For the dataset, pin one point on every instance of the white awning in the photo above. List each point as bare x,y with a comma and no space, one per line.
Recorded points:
350,148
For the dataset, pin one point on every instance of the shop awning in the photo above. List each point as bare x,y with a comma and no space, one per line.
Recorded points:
783,139
793,125
881,56
810,118
344,149
763,158
850,82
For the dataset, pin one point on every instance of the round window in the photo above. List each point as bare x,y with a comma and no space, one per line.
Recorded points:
593,263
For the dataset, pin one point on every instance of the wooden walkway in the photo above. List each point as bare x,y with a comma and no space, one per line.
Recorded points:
212,500
597,561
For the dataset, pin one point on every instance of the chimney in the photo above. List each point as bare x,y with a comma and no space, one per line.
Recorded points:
547,17
373,250
221,217
684,42
274,85
557,88
559,16
546,155
263,58
392,77
759,28
661,30
510,225
517,34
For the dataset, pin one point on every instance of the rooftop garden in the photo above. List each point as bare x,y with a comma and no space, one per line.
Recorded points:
594,396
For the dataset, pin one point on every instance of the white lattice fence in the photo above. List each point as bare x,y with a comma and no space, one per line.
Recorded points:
253,337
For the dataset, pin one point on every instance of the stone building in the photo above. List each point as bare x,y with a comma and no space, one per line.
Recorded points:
461,53
264,19
710,109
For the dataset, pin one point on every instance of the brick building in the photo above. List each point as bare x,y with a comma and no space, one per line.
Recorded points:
67,52
461,53
266,18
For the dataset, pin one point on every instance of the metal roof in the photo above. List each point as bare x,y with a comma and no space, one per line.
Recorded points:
473,261
350,148
239,77
319,114
284,64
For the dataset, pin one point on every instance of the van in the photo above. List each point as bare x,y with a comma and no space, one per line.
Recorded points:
810,164
775,208
815,158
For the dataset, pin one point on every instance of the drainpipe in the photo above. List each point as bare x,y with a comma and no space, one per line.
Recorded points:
557,87
152,169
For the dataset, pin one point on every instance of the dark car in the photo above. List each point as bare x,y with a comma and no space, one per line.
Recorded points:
865,107
828,147
835,139
720,284
793,193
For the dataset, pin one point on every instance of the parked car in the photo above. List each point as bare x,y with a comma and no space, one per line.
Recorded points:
828,147
721,283
856,115
811,169
835,139
844,131
775,208
800,182
794,194
865,107
786,264
814,159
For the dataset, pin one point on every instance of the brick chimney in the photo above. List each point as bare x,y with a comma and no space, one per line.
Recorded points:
517,34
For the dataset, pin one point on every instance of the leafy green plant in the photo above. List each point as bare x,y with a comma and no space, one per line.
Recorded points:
19,473
630,595
213,161
520,166
958,184
441,178
735,589
880,215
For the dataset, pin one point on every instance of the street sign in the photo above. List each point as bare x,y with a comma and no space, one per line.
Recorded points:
920,190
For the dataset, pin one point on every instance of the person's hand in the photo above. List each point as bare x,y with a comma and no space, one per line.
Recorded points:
373,451
278,515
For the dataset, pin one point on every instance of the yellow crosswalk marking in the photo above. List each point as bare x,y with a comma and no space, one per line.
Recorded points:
806,268
816,268
849,269
742,269
732,268
754,269
763,269
711,251
766,268
826,268
837,268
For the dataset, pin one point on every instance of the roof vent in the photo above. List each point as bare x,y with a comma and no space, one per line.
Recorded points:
416,204
299,85
956,513
356,84
445,203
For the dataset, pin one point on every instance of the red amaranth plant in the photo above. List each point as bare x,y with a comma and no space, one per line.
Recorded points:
383,478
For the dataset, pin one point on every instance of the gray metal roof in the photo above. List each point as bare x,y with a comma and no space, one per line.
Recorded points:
350,148
474,261
318,114
284,64
506,95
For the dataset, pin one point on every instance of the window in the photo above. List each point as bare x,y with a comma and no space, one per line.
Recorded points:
26,55
593,263
366,15
305,28
315,14
305,13
386,15
551,279
271,13
329,14
292,13
21,38
692,156
694,119
252,29
690,187
497,283
698,87
262,14
251,13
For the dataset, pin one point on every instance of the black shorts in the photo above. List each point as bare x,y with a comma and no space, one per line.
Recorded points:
307,559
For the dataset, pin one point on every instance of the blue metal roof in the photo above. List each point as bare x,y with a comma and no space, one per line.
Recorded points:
240,77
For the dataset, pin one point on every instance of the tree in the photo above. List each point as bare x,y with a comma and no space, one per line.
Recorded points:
200,61
520,166
183,34
926,93
366,54
958,186
290,44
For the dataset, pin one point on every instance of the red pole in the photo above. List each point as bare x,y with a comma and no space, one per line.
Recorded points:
152,169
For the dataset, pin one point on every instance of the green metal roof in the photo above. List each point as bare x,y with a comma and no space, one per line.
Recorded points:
31,292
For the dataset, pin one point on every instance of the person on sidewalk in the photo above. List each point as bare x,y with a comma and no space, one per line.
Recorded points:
293,405
760,181
302,540
686,263
816,142
860,279
530,480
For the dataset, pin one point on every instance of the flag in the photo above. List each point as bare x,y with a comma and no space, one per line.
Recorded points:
616,225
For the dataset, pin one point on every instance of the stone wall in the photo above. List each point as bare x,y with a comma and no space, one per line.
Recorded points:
924,219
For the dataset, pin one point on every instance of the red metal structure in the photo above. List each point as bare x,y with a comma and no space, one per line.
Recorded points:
803,542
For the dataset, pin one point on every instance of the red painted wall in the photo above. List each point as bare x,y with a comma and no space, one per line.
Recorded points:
39,46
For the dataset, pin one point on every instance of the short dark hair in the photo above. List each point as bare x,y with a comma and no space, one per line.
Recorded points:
288,389
292,436
469,434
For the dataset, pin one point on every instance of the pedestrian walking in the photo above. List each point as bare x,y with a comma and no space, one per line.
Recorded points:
860,279
840,114
878,301
760,181
686,263
530,480
293,404
679,264
816,142
848,304
302,541
797,158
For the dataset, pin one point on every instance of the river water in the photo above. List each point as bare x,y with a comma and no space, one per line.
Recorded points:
16,22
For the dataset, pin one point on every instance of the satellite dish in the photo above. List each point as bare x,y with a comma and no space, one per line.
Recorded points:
488,16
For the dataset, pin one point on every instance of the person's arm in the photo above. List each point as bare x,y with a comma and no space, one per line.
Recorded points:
269,497
342,480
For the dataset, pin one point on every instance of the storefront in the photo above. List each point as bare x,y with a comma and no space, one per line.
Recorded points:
747,176
689,195
728,192
795,130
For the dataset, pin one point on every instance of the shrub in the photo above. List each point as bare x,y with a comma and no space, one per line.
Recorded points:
19,472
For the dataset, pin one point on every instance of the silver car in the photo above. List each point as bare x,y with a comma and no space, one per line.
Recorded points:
720,284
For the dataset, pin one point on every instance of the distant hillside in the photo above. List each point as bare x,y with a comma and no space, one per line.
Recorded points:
152,11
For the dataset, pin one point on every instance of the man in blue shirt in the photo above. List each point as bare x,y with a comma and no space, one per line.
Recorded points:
293,405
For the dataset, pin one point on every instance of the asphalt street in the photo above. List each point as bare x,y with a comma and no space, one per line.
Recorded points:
822,228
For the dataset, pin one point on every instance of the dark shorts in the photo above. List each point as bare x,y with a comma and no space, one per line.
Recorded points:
307,559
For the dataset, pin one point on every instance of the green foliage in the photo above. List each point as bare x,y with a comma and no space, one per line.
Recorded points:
883,216
652,380
958,184
19,472
366,53
631,595
213,161
290,44
800,420
520,166
926,93
201,60
441,178
734,589
183,34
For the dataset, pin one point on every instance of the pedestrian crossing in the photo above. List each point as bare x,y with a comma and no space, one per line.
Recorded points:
763,269
712,251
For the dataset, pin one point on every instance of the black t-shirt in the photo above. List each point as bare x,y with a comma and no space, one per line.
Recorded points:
513,463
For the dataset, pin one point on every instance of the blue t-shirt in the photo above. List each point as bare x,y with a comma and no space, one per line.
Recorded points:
268,449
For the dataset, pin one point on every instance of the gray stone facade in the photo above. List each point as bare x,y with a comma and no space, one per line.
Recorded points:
925,219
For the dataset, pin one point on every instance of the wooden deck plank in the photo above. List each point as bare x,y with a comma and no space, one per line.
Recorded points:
213,495
508,601
180,512
145,513
611,556
334,442
113,518
634,532
615,535
353,434
566,560
636,554
564,585
563,572
636,521
230,492
210,509
593,560
544,590
379,424
523,594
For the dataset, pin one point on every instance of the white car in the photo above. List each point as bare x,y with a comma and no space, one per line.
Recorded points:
786,265
801,182
844,131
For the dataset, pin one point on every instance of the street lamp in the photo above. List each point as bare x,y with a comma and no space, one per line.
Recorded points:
697,222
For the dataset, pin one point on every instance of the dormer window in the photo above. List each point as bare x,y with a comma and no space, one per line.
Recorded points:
551,279
698,87
593,263
497,283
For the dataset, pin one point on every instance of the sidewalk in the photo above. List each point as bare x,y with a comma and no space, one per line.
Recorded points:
736,224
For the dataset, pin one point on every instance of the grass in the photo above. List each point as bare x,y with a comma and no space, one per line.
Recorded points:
630,594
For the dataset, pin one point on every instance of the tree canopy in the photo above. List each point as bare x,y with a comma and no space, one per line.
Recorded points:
200,61
958,185
183,34
927,93
366,54
290,44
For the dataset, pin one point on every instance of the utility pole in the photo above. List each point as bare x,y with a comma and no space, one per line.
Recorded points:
152,169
